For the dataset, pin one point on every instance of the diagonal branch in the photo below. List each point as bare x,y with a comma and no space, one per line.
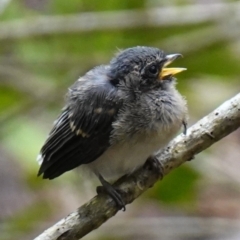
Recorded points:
200,136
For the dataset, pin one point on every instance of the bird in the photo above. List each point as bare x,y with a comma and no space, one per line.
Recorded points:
116,116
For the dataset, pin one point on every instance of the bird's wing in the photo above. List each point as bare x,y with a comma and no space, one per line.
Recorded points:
82,132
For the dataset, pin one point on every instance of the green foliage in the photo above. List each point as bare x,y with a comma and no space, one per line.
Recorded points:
215,60
75,6
9,98
25,140
17,10
176,188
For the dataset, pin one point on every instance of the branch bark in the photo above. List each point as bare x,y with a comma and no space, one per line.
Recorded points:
210,129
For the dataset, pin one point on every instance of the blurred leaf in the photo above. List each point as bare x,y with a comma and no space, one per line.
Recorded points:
25,139
177,187
214,60
9,98
74,6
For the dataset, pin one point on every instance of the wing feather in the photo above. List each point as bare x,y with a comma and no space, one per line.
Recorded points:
82,132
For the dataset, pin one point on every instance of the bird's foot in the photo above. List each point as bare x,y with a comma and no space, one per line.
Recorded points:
184,123
153,163
115,193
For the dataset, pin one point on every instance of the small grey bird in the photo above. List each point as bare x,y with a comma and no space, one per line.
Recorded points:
116,116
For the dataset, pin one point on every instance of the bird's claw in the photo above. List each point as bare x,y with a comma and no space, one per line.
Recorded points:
184,123
114,192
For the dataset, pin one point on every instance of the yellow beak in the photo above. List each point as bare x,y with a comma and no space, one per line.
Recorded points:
170,71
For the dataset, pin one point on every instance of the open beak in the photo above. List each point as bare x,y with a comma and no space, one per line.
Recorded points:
170,71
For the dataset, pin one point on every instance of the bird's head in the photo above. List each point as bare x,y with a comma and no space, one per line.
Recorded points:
145,66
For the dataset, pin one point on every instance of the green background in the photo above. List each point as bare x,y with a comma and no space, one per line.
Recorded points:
44,48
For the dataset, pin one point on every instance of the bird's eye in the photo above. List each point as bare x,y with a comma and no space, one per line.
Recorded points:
153,69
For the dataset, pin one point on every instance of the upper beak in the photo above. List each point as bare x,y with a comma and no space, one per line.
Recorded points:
170,71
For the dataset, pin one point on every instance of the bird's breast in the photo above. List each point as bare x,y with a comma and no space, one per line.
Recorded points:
125,156
141,129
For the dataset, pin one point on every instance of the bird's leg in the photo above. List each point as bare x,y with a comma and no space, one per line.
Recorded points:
111,191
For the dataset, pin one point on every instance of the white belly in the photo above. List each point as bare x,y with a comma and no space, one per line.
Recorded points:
123,158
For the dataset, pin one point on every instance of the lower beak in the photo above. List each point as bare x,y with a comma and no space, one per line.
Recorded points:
170,71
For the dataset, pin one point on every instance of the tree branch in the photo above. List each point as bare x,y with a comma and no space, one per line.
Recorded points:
200,136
